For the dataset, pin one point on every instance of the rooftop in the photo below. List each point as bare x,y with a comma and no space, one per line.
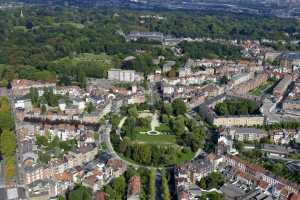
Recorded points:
231,191
275,149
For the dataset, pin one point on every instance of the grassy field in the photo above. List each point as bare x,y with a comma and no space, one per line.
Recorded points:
156,139
263,89
184,158
164,128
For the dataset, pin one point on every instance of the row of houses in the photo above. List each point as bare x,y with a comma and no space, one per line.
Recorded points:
187,175
47,185
36,115
254,174
192,95
82,155
243,134
208,113
281,87
247,86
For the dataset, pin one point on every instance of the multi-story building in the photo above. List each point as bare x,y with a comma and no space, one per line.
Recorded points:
256,174
245,87
289,59
273,150
35,172
137,99
224,146
282,85
241,78
87,153
288,105
121,75
239,121
133,36
24,104
244,134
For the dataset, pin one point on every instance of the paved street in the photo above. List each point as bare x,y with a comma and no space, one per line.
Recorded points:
110,149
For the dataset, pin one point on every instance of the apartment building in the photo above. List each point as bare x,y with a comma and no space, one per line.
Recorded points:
121,75
239,121
245,87
282,86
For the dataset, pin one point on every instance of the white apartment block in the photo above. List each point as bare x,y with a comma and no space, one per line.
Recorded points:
121,75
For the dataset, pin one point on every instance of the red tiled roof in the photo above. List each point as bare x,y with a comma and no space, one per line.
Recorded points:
263,184
211,156
114,163
100,195
284,192
295,196
183,195
65,176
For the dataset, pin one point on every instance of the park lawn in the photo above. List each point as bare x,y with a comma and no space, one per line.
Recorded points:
142,129
185,157
263,89
163,128
156,139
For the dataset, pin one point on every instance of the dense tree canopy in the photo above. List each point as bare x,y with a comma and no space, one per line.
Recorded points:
80,193
213,180
200,50
237,107
52,43
116,190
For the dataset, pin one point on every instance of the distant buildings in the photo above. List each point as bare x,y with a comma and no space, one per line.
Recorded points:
22,87
271,56
275,150
292,103
133,36
136,99
168,66
240,78
24,104
154,36
289,59
123,75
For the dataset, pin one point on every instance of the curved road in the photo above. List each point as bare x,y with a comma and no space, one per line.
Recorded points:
110,149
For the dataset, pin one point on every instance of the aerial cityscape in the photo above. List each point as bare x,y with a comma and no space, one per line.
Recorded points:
149,100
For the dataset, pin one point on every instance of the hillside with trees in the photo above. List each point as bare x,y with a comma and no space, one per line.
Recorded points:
54,43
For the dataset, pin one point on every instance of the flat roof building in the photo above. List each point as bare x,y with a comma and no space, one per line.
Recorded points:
121,75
